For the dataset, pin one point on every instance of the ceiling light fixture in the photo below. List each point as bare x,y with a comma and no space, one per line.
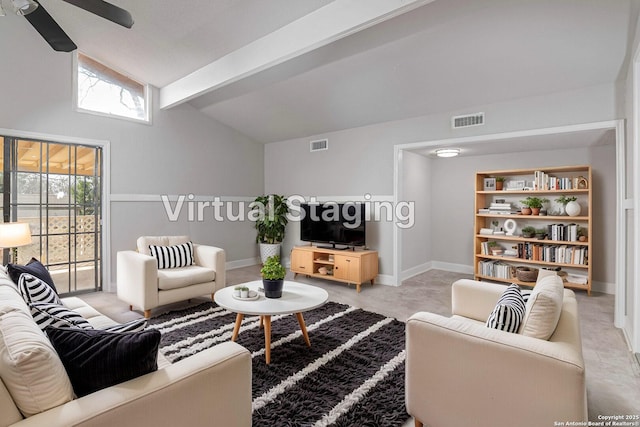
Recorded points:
24,7
447,152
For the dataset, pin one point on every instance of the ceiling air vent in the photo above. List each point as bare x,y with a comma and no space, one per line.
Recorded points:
476,119
319,145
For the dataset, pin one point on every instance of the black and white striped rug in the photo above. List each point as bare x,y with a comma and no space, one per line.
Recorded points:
352,375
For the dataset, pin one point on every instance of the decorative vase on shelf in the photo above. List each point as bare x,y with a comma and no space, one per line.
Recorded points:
573,208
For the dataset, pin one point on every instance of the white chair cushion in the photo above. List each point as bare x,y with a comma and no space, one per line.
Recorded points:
30,367
175,278
543,308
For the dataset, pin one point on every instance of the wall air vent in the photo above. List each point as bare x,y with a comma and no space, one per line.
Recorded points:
319,145
476,119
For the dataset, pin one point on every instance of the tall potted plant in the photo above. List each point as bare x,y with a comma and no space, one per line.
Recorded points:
271,221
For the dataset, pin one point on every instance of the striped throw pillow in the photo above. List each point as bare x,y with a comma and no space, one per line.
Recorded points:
509,311
135,325
57,315
33,290
173,256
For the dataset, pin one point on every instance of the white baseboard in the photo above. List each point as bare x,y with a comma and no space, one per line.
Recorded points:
239,263
436,265
454,268
603,287
414,271
386,279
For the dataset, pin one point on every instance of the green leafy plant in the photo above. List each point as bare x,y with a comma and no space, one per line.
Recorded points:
272,269
534,202
499,178
528,231
563,200
271,218
541,231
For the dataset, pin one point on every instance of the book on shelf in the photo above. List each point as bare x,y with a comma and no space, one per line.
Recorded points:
561,254
490,247
495,268
578,279
562,232
486,231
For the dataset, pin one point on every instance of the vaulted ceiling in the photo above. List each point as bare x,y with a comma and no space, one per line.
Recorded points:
280,69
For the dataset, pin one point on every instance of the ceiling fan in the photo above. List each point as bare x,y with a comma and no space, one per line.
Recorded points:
49,29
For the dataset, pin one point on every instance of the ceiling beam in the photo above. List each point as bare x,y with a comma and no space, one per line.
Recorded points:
332,22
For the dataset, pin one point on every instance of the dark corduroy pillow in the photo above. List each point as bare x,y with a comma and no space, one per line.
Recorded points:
96,359
33,267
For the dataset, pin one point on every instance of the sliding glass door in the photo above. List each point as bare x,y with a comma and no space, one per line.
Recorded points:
56,188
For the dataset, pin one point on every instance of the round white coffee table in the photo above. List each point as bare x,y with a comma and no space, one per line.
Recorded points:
296,298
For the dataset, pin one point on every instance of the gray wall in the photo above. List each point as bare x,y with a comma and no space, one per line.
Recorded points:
361,160
181,152
452,201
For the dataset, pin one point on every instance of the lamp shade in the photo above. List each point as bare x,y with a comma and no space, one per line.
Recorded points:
14,234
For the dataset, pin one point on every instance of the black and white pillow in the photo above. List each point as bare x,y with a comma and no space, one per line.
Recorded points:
57,315
136,325
509,311
173,256
33,290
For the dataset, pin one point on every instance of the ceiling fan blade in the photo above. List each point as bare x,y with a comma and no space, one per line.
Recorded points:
50,30
105,10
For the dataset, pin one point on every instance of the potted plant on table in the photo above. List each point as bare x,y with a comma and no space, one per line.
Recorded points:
273,277
533,203
271,220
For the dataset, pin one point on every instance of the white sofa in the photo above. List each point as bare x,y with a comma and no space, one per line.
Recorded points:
212,387
459,372
142,285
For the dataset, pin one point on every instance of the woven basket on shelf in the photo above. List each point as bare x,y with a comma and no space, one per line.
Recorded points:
526,274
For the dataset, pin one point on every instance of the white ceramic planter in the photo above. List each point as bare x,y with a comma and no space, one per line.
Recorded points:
268,249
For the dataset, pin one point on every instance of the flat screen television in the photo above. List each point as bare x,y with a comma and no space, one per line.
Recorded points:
333,223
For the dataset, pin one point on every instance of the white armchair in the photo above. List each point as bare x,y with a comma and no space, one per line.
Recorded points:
461,373
141,284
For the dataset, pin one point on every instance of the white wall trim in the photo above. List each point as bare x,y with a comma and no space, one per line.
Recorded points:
621,230
386,279
608,124
106,187
118,197
634,335
123,197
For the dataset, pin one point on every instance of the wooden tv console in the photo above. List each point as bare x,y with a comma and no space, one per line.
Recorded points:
348,266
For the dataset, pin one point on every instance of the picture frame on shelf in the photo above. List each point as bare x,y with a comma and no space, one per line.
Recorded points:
489,184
